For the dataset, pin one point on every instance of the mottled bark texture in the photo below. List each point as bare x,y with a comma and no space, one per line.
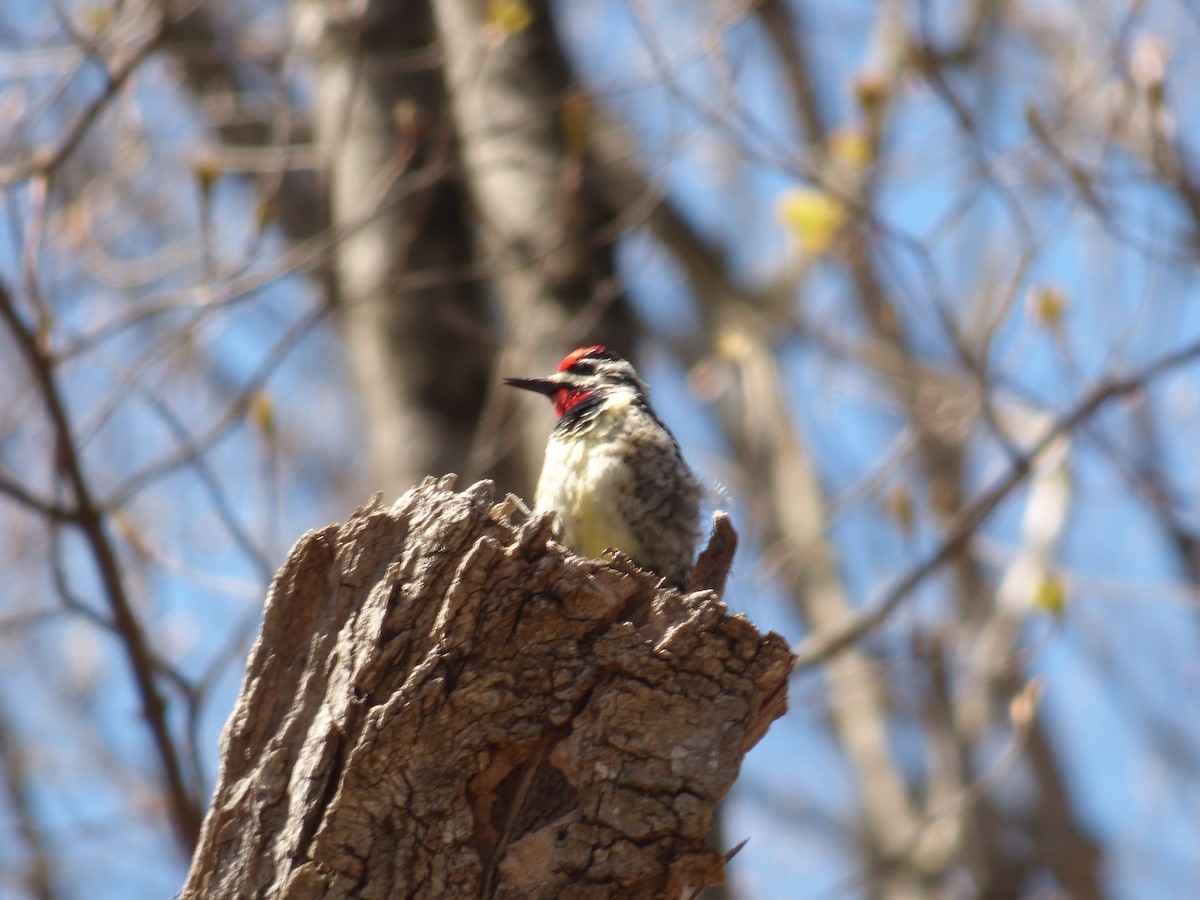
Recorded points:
445,704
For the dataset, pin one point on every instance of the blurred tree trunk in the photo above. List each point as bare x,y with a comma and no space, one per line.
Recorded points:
424,131
412,311
545,235
442,704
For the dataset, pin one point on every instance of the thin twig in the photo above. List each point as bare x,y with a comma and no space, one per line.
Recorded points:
45,162
820,647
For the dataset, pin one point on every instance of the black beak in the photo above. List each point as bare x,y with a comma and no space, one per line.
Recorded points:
547,386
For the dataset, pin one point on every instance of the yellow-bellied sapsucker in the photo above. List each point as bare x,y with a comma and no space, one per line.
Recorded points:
613,471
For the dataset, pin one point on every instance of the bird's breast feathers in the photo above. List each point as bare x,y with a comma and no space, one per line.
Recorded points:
585,477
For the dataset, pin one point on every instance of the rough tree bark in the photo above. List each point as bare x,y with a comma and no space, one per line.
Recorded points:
443,703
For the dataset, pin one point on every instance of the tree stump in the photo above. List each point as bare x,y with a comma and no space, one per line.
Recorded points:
445,704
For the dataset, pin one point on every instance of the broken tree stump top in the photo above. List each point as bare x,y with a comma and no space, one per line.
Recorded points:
443,703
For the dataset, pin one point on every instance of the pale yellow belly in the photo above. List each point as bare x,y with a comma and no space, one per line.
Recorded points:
586,481
591,526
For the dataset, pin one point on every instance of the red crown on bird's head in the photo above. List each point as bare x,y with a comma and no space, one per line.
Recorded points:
576,355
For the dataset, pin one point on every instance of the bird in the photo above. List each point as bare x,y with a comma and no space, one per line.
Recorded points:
613,472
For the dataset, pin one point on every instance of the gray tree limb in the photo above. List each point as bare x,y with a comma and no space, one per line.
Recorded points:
446,704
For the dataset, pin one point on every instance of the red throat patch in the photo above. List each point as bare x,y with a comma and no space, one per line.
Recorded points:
567,398
575,356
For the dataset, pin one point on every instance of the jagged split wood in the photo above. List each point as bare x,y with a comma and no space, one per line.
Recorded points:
443,704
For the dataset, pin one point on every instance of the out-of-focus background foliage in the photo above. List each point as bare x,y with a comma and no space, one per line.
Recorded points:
915,284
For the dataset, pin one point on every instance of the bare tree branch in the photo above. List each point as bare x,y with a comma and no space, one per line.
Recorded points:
182,804
46,161
821,647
